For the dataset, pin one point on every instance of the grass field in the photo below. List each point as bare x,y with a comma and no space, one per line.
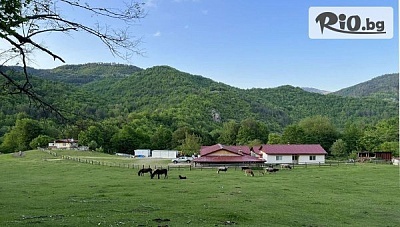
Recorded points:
39,189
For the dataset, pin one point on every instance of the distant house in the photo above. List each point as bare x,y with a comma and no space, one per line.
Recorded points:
64,144
223,154
291,153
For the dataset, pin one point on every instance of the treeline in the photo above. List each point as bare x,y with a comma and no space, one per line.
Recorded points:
162,131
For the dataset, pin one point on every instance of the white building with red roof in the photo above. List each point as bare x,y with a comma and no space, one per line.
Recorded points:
223,154
291,153
64,144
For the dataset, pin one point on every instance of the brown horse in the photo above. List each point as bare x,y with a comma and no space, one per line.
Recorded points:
160,172
249,172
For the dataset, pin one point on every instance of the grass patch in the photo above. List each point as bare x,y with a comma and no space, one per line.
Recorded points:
35,191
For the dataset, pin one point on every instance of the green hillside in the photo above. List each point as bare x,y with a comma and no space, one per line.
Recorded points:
117,109
189,97
384,87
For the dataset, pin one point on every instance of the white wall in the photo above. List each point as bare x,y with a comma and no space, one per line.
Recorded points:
272,158
288,159
144,152
164,153
306,159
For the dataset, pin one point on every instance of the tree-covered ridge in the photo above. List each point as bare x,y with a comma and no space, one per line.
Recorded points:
194,100
299,104
83,73
383,87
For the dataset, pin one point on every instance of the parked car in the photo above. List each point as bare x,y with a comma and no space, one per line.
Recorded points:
182,159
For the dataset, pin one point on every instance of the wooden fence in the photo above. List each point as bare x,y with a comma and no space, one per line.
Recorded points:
198,167
121,165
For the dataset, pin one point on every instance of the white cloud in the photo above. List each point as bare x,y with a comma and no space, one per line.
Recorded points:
157,34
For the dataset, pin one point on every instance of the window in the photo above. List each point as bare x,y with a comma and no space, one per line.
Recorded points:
278,158
312,157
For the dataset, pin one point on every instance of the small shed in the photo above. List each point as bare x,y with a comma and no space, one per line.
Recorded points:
142,153
383,155
164,153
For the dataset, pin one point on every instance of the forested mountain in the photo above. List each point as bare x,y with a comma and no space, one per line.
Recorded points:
160,107
114,90
82,74
383,87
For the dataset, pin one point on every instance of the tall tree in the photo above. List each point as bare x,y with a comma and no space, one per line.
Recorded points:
161,139
293,134
24,22
251,129
319,130
274,138
352,137
338,149
24,131
191,144
229,133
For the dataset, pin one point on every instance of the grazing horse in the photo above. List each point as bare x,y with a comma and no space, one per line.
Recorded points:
182,177
271,170
286,166
249,172
160,172
223,169
143,171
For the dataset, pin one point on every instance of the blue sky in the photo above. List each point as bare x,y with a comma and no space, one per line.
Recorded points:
243,43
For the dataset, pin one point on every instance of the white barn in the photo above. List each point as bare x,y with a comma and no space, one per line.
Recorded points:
164,153
291,153
142,152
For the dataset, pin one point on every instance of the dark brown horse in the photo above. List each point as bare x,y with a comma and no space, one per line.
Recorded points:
160,172
143,171
271,170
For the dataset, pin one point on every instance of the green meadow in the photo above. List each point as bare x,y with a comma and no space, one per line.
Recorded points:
39,189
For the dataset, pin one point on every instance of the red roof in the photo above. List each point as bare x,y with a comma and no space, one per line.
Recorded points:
290,149
240,150
227,159
66,141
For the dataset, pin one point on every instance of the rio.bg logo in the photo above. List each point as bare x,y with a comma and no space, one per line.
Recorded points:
350,23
